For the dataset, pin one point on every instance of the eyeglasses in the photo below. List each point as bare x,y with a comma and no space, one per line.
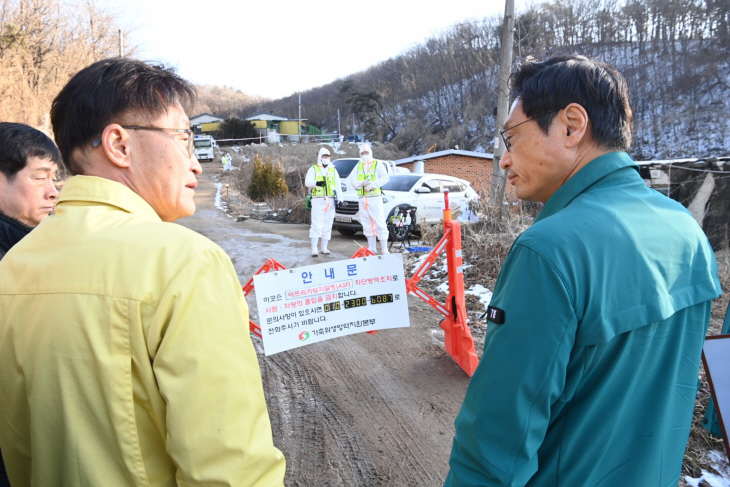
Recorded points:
191,137
507,143
190,142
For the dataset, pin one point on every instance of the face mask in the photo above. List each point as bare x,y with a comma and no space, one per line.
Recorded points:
325,161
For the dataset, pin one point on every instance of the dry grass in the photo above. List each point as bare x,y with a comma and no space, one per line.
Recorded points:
485,244
235,203
701,442
286,208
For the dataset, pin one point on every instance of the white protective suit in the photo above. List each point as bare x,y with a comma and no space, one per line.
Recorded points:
372,215
323,207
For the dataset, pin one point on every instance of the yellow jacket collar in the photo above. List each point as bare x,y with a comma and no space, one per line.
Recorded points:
94,189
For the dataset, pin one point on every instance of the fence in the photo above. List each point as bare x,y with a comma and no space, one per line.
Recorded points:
277,138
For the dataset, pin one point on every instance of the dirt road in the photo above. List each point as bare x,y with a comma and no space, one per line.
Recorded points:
362,410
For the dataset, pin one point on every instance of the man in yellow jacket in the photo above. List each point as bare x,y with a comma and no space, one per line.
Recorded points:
125,357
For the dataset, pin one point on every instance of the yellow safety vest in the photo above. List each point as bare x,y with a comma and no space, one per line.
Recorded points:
367,176
329,188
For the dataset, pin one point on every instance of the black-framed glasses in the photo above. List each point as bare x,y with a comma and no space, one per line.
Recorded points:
190,142
506,140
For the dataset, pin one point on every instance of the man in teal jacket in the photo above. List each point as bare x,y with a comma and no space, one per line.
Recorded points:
600,311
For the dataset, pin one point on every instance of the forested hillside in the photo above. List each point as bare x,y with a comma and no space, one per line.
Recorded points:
674,54
42,44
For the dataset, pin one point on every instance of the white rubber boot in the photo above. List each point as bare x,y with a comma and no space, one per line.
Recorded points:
314,247
372,245
324,248
384,246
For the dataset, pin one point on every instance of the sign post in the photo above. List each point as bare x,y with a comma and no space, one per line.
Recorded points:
310,304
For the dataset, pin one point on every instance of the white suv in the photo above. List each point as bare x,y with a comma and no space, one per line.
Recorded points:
422,194
345,167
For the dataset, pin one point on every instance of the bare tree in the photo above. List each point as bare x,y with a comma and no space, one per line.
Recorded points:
41,45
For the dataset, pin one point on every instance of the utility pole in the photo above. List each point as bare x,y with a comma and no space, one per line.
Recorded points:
121,43
505,65
338,123
300,117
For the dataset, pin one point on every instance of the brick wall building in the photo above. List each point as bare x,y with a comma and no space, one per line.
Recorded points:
475,167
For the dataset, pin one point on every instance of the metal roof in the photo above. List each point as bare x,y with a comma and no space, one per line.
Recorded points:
449,152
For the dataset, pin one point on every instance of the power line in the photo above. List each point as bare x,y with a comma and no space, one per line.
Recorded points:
697,170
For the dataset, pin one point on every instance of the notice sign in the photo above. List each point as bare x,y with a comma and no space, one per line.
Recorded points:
310,304
715,352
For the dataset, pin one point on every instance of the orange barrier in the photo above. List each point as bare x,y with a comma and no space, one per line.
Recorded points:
272,265
457,336
364,252
269,265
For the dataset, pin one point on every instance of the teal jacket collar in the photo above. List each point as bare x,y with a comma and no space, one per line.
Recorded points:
595,170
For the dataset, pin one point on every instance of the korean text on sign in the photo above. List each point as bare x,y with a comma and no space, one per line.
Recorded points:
310,304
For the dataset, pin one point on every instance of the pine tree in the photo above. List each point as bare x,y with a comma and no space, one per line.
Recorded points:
267,179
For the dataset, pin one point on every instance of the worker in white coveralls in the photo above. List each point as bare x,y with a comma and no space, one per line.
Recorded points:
324,182
367,178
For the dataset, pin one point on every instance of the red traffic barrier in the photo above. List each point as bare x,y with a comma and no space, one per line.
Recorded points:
458,341
269,265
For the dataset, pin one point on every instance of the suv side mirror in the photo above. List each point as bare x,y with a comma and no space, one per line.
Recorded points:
423,190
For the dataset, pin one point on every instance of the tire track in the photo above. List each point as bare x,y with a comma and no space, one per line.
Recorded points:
380,391
320,441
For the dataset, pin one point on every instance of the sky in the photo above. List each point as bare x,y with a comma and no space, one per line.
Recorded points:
275,49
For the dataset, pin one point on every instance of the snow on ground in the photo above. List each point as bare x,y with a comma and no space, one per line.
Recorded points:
720,475
484,294
218,201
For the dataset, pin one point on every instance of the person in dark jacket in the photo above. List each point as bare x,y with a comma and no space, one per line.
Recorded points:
28,163
598,317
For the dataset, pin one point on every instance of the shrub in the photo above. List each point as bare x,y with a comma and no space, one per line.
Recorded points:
235,128
267,180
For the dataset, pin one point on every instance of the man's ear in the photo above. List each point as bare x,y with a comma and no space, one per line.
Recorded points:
576,121
116,143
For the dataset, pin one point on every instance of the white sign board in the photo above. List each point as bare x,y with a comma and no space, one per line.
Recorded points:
714,356
310,304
